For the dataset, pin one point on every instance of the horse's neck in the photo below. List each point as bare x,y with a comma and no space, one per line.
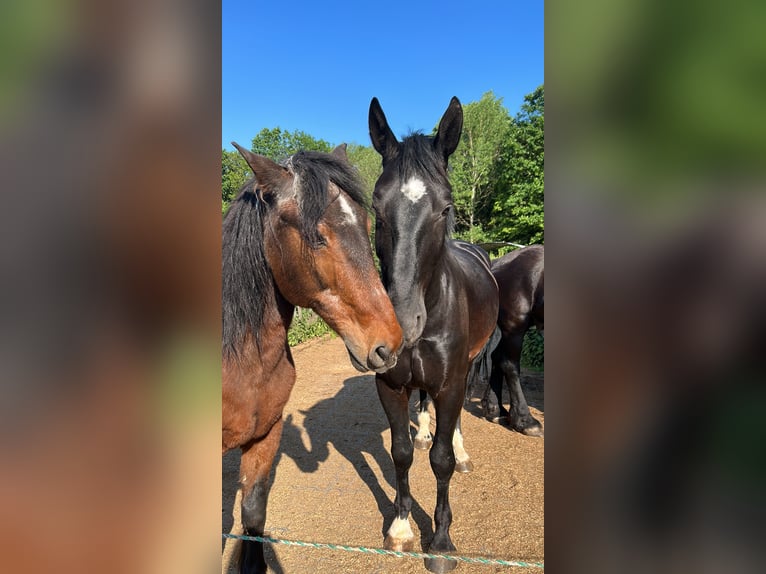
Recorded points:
277,316
459,268
443,277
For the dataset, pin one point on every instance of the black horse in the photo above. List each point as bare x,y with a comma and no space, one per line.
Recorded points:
445,299
520,278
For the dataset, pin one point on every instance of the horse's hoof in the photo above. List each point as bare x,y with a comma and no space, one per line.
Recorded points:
464,466
440,565
398,545
535,430
422,443
498,419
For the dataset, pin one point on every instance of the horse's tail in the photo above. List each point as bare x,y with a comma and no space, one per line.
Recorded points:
481,367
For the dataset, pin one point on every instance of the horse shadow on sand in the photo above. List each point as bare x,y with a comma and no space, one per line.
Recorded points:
353,423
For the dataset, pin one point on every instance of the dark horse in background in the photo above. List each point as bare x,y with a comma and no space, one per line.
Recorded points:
296,235
520,277
445,299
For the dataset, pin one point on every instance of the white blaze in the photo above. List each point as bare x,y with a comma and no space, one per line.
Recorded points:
413,189
346,208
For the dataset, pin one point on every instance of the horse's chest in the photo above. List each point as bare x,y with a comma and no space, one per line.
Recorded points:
422,367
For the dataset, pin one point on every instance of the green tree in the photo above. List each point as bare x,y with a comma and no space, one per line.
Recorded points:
277,144
518,210
367,161
476,164
274,143
235,173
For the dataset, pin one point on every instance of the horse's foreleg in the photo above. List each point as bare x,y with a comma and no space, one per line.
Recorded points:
423,437
520,418
396,405
255,467
442,457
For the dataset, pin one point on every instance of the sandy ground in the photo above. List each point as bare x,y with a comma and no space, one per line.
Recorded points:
334,479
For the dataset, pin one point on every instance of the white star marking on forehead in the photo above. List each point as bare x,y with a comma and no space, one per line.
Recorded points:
346,208
413,189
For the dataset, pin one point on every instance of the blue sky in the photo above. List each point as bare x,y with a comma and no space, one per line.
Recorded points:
315,65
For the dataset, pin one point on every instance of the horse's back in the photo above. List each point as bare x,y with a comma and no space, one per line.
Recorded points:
481,293
520,279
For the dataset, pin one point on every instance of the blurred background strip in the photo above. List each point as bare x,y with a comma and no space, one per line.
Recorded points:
110,290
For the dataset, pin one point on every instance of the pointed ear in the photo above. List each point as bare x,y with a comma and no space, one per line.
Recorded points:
450,128
271,177
383,139
340,152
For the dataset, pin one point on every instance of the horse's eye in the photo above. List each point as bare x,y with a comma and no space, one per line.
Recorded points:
446,211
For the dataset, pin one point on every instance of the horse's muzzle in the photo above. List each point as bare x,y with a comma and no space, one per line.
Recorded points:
380,359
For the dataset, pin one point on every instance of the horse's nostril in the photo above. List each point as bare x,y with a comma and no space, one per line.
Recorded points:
383,353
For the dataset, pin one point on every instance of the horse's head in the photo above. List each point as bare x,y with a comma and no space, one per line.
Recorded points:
317,246
414,212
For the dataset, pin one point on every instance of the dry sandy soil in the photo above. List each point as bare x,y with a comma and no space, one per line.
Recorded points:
334,479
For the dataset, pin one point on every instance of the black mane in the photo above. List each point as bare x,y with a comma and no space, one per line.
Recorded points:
247,282
313,171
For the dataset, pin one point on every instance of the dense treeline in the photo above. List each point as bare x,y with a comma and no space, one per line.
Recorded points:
496,172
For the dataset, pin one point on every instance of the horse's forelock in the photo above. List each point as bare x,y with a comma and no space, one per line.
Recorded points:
418,157
313,172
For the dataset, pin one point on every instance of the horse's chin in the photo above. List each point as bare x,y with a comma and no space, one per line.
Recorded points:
362,368
358,365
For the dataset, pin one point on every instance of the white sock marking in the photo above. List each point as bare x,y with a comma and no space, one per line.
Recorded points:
457,446
424,420
400,529
413,189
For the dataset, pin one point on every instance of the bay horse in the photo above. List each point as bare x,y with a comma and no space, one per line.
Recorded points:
296,235
520,277
445,299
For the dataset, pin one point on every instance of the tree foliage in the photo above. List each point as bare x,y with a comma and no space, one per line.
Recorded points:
276,144
517,212
367,162
497,171
476,166
235,173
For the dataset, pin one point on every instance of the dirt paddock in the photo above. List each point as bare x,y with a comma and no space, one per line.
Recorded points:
333,479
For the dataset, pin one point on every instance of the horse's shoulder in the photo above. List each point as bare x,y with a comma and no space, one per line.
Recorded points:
468,252
474,264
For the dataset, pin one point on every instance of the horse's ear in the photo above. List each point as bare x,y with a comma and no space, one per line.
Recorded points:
383,139
340,152
450,128
271,177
